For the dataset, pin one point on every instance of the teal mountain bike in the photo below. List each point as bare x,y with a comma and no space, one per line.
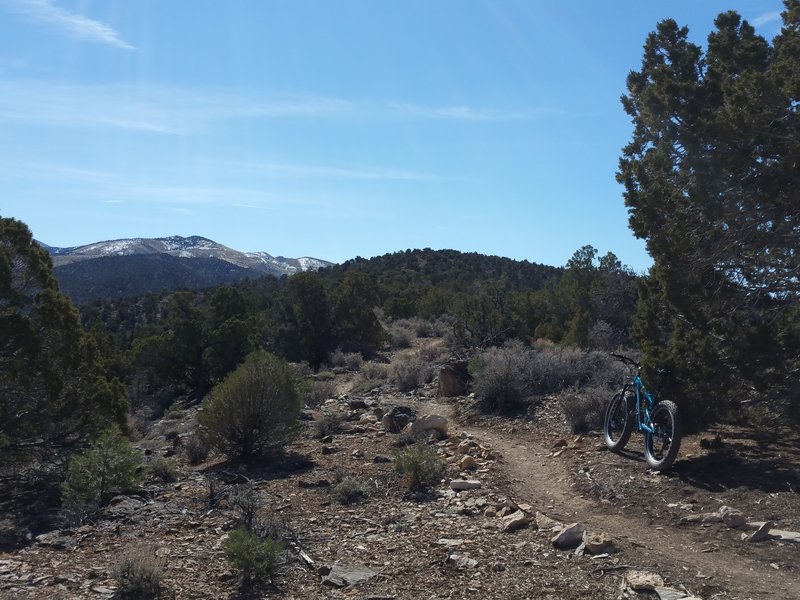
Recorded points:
634,406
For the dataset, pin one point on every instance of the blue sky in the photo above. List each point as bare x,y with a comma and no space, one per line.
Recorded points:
329,129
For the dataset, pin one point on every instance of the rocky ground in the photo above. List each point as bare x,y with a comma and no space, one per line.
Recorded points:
526,510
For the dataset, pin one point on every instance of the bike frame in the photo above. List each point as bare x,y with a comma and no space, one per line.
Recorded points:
645,401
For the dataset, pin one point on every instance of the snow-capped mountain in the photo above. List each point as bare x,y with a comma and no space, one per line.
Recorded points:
119,268
186,247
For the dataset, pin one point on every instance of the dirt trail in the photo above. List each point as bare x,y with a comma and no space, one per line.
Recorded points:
677,553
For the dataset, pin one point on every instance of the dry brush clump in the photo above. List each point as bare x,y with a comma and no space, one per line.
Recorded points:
410,372
506,379
139,576
584,408
351,361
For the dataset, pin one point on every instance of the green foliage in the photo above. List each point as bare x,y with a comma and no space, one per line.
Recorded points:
357,328
710,178
139,576
54,393
107,467
301,325
350,490
420,465
255,558
163,469
255,410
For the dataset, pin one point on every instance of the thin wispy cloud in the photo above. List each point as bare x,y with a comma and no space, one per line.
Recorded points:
468,113
173,111
46,12
766,18
293,171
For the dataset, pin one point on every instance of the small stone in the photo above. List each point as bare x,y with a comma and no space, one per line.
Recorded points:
344,575
515,521
598,543
465,484
467,463
732,517
490,512
498,567
569,537
643,581
760,534
461,561
544,522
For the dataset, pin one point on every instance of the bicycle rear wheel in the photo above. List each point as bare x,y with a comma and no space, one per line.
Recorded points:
661,447
618,422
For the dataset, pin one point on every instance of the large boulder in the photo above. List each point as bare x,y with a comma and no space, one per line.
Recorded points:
427,423
453,379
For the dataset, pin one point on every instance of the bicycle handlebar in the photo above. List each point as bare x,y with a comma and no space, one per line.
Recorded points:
626,360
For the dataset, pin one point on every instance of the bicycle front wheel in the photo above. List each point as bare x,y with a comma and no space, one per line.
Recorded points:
618,423
661,447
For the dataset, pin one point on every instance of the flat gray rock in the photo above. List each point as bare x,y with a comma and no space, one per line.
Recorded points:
346,575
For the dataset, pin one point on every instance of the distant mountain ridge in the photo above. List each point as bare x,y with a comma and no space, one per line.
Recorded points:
116,268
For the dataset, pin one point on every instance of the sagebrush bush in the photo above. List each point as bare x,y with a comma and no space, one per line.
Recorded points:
502,379
410,372
348,360
107,467
401,336
196,448
163,469
319,391
255,410
139,576
506,378
253,556
585,407
329,423
350,490
420,465
373,370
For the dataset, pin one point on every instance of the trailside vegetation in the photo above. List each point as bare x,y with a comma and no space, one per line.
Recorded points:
711,183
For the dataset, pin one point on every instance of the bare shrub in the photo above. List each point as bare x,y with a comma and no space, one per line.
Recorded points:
422,328
401,335
329,423
164,470
139,576
411,373
248,503
346,360
319,391
196,448
584,407
373,370
432,353
302,370
502,378
506,378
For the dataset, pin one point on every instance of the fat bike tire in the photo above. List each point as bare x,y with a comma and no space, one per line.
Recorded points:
618,422
661,447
